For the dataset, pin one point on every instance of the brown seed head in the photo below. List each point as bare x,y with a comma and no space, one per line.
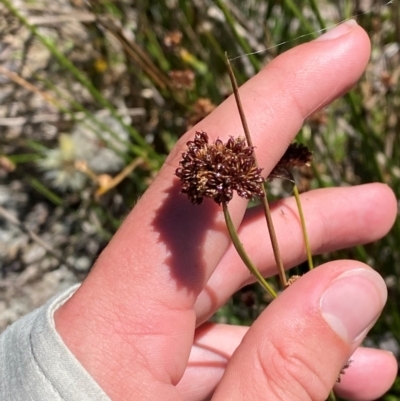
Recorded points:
216,170
182,79
296,155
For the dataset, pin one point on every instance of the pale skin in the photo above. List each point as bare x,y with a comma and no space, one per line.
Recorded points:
137,322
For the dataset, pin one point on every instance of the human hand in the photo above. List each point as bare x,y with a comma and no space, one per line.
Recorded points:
137,322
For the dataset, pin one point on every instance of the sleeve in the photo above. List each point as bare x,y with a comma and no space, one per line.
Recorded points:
36,365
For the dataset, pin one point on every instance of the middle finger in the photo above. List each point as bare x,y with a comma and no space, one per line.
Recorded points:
371,208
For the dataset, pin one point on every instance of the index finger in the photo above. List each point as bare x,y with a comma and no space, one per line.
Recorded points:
184,242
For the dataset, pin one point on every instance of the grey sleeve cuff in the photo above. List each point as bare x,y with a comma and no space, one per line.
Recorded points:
36,365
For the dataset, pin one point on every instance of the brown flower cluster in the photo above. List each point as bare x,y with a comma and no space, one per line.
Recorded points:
200,109
182,79
173,39
296,155
216,170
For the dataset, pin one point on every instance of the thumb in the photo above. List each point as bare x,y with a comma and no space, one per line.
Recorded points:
297,347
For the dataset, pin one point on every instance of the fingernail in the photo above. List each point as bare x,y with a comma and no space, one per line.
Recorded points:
339,30
353,302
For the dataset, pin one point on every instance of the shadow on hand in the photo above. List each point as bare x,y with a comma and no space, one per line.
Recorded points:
183,227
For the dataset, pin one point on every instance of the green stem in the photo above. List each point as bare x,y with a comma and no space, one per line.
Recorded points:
242,42
44,191
332,396
303,227
314,7
242,253
299,14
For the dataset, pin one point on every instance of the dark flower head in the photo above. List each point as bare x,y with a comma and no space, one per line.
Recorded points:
296,155
216,170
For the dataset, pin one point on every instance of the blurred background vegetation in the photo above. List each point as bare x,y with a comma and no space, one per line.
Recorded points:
94,94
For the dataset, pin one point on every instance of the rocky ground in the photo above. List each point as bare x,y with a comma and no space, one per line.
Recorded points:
44,247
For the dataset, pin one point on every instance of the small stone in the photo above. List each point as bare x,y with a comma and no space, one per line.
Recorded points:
33,254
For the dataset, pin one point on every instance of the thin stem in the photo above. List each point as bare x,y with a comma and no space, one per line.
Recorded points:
239,102
299,14
332,396
242,253
303,227
267,211
240,39
314,7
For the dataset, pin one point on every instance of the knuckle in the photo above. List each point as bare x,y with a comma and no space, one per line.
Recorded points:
290,374
324,241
